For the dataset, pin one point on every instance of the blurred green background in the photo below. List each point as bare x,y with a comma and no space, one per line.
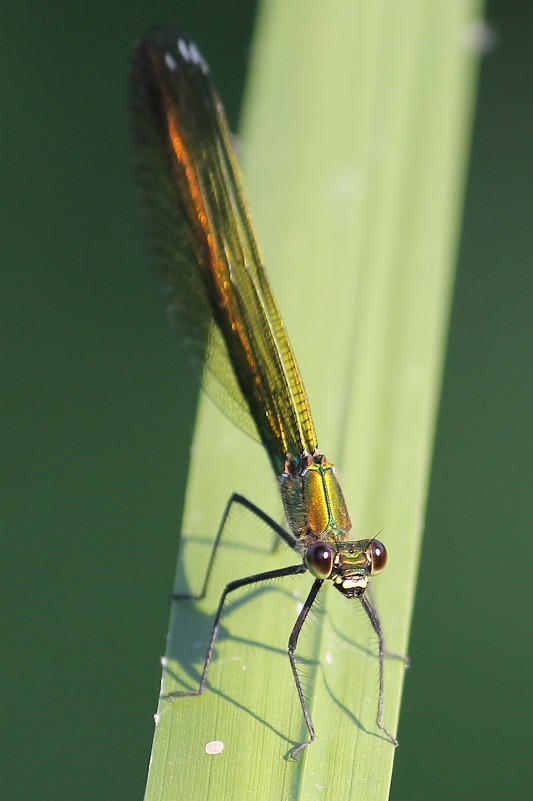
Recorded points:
97,416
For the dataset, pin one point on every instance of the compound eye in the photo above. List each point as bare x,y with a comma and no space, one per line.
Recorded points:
378,556
319,560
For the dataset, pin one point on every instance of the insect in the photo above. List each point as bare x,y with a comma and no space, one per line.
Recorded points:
219,302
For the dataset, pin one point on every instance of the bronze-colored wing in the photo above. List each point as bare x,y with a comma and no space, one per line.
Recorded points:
215,291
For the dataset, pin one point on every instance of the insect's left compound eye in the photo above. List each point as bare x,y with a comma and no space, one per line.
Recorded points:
378,556
319,560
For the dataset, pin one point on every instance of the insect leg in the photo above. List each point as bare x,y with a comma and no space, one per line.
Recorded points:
235,585
293,641
376,625
387,653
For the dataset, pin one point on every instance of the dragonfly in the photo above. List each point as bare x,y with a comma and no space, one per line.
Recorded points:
218,300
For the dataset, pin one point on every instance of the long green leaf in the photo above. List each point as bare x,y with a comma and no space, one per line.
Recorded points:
355,142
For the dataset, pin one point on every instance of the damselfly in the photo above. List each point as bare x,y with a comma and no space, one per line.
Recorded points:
218,300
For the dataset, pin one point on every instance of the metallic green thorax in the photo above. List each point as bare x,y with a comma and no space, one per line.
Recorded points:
313,502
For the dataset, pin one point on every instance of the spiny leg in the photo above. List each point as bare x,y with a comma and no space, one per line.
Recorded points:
387,653
376,625
234,585
255,510
293,641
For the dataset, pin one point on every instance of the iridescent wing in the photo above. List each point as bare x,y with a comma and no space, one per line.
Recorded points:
203,250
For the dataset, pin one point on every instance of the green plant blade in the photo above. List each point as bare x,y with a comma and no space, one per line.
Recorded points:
356,132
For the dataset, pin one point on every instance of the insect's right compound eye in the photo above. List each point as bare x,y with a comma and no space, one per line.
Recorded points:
319,560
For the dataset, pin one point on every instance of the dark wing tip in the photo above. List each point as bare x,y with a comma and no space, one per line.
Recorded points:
176,47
